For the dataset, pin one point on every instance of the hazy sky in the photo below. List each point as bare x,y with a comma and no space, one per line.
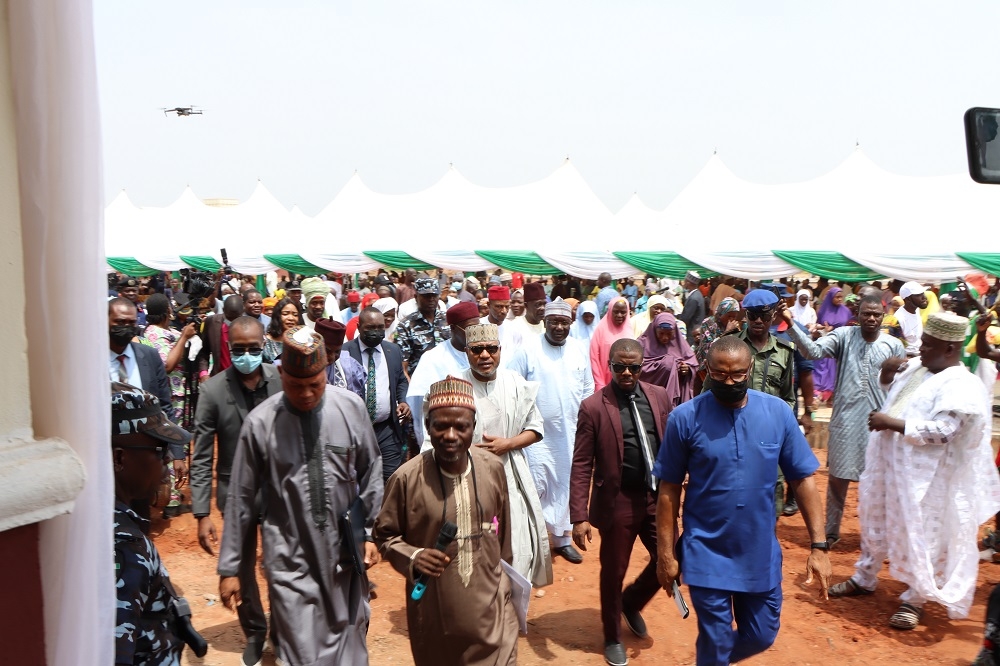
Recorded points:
638,94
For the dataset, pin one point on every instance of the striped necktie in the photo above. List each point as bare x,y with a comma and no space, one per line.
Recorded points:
370,384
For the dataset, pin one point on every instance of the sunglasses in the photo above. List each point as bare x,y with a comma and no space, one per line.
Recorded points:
479,349
753,314
619,368
240,351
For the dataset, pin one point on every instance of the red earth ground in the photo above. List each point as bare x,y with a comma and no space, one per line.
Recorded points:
564,623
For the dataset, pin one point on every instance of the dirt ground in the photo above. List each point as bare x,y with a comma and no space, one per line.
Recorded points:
564,622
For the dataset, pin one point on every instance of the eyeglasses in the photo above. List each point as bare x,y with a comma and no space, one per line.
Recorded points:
242,351
737,377
753,313
479,349
619,368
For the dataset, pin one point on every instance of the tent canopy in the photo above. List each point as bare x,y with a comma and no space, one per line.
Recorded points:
856,222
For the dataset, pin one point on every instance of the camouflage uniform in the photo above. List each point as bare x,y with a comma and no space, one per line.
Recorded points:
415,335
143,634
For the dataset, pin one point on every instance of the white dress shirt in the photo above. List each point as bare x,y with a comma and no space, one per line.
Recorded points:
382,400
131,366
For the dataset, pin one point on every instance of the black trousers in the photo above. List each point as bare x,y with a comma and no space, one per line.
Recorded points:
253,621
390,446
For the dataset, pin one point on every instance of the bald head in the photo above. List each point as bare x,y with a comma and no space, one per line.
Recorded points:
729,345
232,307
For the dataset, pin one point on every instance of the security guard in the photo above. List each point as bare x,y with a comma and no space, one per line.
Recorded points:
146,631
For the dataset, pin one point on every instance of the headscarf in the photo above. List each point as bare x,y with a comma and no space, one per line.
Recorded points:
804,314
605,333
830,314
384,305
578,329
933,305
642,320
659,361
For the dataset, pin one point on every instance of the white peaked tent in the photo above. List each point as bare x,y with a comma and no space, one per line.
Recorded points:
873,223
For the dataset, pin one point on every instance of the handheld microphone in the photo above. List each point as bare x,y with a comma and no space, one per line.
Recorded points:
447,535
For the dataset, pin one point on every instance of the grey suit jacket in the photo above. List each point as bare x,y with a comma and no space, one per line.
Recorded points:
221,410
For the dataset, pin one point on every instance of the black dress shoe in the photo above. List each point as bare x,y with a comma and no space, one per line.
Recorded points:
570,553
634,622
614,654
791,508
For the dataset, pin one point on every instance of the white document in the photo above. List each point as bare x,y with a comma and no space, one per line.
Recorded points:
520,595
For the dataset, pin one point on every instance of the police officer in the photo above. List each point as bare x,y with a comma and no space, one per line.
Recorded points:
141,442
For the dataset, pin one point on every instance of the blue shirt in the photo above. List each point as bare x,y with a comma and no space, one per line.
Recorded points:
731,457
604,297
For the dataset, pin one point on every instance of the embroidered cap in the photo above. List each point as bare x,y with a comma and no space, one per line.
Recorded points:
947,326
479,333
450,392
558,308
304,353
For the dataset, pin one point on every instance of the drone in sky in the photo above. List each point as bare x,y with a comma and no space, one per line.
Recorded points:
183,111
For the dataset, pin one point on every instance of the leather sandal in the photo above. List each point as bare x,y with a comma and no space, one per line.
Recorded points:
906,617
848,588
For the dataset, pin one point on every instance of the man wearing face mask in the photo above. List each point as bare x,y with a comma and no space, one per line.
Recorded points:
728,444
215,338
385,386
223,404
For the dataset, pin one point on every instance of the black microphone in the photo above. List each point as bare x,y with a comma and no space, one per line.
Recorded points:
447,535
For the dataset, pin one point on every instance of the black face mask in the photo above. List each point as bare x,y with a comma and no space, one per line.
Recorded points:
121,335
730,394
373,338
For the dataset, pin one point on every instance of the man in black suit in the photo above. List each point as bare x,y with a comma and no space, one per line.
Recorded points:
618,433
136,364
215,338
385,386
223,403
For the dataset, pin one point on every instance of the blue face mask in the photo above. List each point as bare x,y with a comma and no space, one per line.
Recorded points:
247,363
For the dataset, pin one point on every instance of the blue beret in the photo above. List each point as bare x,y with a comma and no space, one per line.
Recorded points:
760,298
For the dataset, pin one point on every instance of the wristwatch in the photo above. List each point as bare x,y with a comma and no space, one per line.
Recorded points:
820,545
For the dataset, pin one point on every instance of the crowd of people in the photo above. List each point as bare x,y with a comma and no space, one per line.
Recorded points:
470,429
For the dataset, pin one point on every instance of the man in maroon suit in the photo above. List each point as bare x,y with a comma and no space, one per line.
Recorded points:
618,433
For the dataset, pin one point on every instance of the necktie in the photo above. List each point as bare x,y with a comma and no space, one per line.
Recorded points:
225,360
647,451
122,370
370,385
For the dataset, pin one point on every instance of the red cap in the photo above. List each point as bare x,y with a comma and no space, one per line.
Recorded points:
464,311
496,293
353,297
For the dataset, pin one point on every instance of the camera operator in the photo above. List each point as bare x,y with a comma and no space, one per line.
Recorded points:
152,623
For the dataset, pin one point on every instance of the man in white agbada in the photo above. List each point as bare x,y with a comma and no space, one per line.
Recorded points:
507,421
561,367
447,358
929,479
498,298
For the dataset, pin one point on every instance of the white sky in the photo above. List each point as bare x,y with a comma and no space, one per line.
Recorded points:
638,94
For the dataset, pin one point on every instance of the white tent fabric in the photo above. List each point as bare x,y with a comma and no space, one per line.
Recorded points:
931,268
749,265
589,265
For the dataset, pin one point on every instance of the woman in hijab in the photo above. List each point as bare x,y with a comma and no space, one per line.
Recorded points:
727,318
656,305
667,359
388,307
802,311
614,326
586,321
832,314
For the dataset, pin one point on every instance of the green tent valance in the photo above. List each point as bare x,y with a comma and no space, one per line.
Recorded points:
520,262
662,264
831,265
398,260
129,266
293,263
987,262
202,263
